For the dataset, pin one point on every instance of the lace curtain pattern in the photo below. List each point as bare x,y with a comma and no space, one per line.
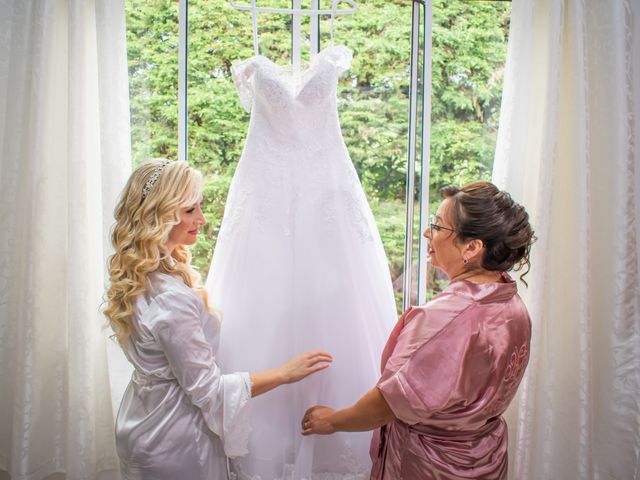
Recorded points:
64,138
567,148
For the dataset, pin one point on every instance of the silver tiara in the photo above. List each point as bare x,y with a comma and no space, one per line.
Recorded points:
154,178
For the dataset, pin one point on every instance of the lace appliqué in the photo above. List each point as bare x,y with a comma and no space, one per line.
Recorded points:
275,91
346,462
234,212
345,208
320,88
289,474
349,201
357,472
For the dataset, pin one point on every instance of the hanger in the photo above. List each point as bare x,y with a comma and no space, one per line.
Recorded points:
297,11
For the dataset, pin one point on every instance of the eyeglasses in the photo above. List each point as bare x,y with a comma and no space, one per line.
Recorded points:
433,226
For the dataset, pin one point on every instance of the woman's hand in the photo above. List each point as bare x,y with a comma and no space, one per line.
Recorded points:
304,365
293,371
371,411
316,420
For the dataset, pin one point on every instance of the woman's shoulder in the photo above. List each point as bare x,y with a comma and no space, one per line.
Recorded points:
166,291
450,303
161,282
422,323
458,302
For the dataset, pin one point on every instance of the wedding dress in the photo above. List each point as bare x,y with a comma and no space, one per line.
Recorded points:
299,265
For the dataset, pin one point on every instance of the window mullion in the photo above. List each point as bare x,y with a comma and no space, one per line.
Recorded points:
411,157
183,24
426,151
296,33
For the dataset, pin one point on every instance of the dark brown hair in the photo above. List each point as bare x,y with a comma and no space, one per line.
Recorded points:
482,211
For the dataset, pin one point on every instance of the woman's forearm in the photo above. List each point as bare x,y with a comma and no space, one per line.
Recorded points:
371,411
262,382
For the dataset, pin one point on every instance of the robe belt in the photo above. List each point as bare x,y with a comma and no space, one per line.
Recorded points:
140,378
458,435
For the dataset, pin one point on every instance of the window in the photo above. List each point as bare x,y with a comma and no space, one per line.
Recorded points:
469,47
152,47
397,135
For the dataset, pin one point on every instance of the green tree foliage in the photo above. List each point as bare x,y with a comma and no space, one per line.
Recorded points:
374,95
152,45
469,47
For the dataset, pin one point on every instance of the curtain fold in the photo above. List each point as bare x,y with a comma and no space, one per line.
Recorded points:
567,149
64,143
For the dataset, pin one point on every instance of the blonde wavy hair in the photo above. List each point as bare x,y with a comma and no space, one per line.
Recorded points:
140,234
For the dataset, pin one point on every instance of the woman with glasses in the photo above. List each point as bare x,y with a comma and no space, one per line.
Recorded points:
451,367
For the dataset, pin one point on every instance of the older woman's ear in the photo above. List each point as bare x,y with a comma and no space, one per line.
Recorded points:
473,249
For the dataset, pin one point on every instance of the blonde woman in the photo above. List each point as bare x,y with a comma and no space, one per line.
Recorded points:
180,416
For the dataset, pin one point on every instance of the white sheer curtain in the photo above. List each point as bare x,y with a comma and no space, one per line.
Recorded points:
64,152
568,149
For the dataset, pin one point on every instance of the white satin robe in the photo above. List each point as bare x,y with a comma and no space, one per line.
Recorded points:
180,416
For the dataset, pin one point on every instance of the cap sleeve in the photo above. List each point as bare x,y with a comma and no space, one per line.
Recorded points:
242,74
175,320
340,56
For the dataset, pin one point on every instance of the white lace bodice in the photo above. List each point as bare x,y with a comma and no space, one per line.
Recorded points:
262,82
292,109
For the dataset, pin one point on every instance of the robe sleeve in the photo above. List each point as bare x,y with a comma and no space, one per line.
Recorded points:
242,73
431,370
176,324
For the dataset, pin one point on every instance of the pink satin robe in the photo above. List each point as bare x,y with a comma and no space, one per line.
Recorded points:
449,370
